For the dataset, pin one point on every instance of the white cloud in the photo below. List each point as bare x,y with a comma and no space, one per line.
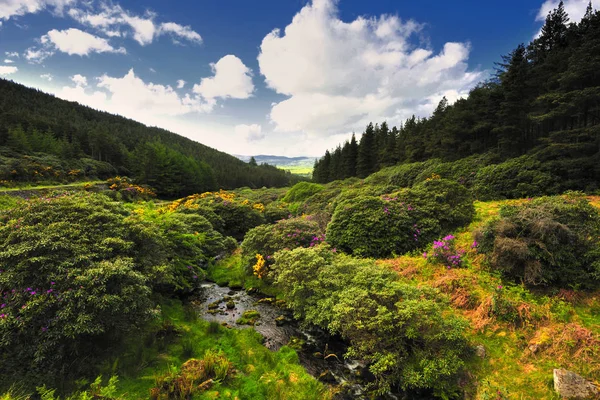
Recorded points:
113,20
249,133
130,96
180,84
71,41
575,8
76,42
232,79
47,77
341,75
15,8
34,55
8,61
13,54
7,70
79,80
184,32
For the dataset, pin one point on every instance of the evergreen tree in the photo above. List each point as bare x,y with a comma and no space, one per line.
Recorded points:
367,157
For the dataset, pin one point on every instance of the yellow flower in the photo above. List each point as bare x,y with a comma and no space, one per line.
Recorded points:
259,268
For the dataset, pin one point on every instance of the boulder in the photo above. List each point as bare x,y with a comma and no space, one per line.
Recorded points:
569,385
480,351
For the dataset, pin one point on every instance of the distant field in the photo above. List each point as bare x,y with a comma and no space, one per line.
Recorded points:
298,170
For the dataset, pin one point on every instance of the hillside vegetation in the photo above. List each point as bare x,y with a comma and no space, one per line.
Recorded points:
46,139
534,128
470,269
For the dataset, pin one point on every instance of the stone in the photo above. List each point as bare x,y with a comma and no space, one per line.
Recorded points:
327,377
480,351
569,385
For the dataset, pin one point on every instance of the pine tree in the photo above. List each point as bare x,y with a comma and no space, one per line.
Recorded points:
367,157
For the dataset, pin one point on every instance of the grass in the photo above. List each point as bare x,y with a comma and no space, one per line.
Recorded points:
49,186
299,170
547,330
256,372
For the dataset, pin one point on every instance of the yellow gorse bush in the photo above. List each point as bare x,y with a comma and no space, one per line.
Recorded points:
259,268
191,202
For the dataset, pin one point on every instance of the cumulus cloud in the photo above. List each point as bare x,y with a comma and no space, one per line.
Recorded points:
249,133
8,61
79,80
180,84
575,8
231,79
47,77
13,54
113,20
15,8
76,42
7,70
71,41
130,96
340,75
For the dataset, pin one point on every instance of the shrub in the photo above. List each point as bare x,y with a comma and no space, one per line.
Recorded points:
370,226
447,202
275,211
76,275
398,329
77,272
266,240
444,252
376,227
548,241
516,178
129,191
302,191
232,216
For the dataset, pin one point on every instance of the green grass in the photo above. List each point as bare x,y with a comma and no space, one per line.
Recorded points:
299,170
259,373
40,186
566,333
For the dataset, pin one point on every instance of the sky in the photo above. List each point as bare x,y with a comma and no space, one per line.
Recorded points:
281,77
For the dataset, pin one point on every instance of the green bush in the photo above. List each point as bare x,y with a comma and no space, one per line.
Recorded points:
238,218
405,175
376,227
369,226
398,329
446,201
551,241
276,211
266,240
516,178
302,191
76,275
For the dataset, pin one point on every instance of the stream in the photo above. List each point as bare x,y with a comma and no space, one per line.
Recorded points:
319,352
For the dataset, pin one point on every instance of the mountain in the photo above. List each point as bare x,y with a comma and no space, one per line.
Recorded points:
33,123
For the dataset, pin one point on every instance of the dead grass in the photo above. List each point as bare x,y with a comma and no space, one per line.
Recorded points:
521,355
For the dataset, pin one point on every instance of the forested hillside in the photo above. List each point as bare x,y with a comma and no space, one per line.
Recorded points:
541,111
64,140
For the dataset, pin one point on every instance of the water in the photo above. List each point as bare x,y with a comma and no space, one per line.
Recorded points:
320,353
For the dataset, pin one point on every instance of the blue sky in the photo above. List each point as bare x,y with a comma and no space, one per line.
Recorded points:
285,77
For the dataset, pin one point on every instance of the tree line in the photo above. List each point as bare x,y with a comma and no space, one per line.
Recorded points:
543,101
36,123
